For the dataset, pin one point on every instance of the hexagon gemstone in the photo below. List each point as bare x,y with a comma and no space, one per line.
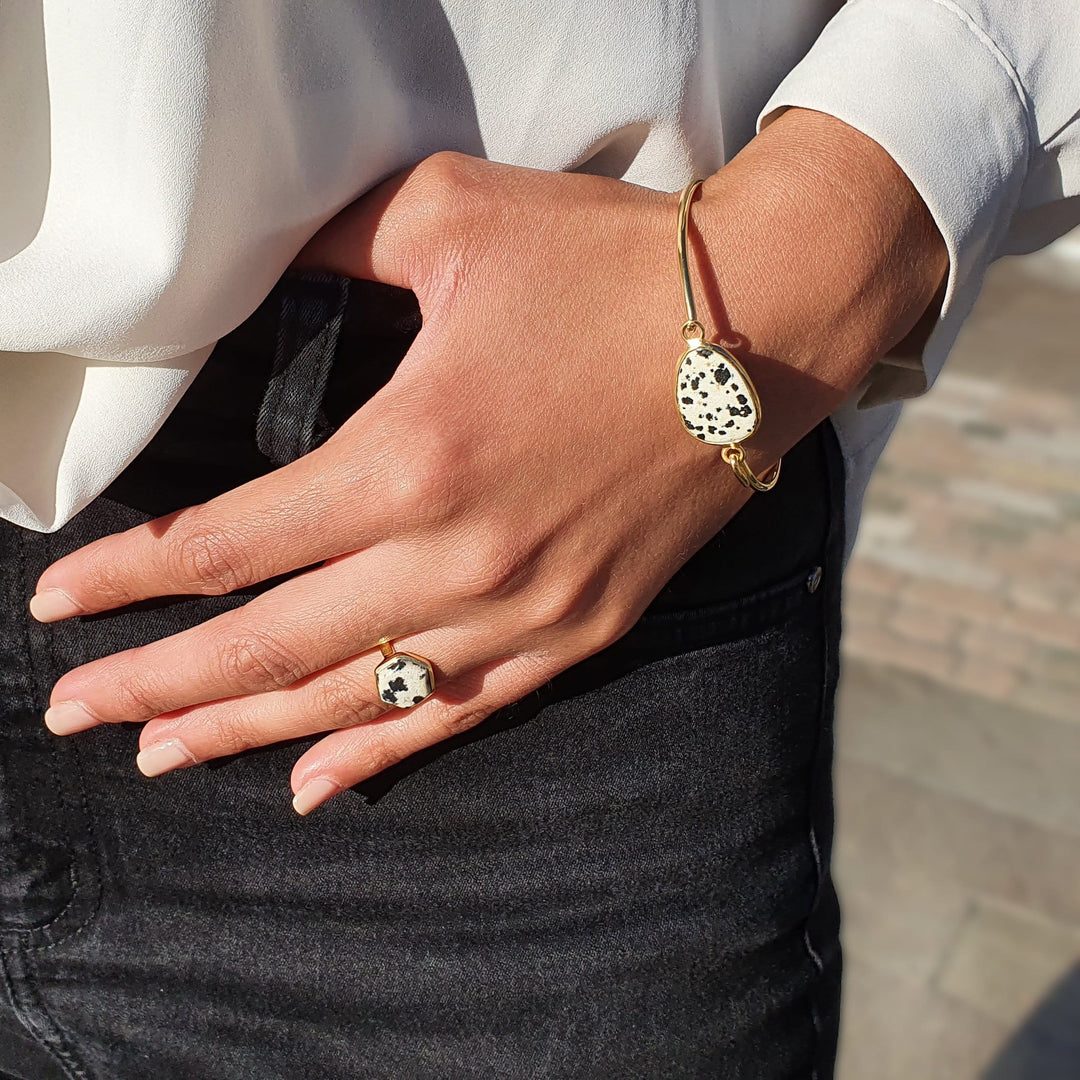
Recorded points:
714,396
404,680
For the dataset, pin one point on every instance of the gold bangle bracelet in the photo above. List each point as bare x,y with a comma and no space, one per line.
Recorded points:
716,398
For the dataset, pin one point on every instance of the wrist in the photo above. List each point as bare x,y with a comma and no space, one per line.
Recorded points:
813,255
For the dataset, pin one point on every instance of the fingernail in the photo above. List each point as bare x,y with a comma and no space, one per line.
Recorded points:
314,792
163,757
52,604
67,717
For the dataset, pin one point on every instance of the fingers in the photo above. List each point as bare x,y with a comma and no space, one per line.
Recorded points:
301,514
339,498
299,627
353,754
342,695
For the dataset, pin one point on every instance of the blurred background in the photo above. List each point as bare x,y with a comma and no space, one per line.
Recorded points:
958,745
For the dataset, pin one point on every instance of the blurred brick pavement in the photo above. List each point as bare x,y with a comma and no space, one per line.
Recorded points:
958,757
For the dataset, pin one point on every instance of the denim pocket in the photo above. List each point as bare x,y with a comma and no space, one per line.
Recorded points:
727,620
49,881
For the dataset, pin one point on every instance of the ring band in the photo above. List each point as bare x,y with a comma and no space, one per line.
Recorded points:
403,679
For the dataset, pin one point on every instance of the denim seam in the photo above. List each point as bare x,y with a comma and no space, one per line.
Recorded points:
38,1021
27,1003
60,769
829,606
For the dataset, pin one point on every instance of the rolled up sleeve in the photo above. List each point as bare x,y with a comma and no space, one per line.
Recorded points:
977,102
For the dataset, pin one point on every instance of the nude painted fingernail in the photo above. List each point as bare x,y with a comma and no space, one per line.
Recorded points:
163,757
313,793
67,717
52,604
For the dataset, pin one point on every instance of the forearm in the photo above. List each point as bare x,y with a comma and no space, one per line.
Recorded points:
814,254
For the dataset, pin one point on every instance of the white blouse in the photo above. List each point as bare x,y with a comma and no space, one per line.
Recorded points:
161,164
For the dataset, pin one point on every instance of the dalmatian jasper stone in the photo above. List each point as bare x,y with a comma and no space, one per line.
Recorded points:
715,402
404,680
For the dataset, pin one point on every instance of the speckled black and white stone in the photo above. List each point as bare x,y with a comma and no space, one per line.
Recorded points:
404,680
715,402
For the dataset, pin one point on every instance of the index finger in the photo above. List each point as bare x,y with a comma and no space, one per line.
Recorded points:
256,531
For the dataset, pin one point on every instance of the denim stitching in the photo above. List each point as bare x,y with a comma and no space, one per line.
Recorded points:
829,600
26,999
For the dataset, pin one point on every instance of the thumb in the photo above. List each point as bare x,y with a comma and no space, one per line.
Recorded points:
395,233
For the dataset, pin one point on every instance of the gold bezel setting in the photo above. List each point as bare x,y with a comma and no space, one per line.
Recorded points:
716,396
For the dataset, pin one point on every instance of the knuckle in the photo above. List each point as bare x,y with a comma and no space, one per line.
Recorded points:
340,700
420,483
444,181
137,697
458,721
211,561
559,604
607,623
448,198
108,581
233,733
377,752
490,564
258,662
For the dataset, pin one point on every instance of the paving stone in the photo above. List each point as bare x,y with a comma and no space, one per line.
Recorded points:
996,682
890,829
943,454
1054,548
953,800
893,1031
862,608
986,642
964,570
925,624
1056,665
1009,760
863,575
876,526
1042,595
1055,699
980,430
999,531
1025,321
1038,409
1059,629
1011,500
896,919
984,605
1062,444
885,647
1005,961
977,388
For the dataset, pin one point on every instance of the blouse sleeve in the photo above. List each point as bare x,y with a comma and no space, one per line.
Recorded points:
160,166
978,101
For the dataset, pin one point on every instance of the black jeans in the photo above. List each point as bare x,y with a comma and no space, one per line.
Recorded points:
624,875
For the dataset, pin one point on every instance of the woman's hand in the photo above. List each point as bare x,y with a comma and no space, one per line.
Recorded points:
521,489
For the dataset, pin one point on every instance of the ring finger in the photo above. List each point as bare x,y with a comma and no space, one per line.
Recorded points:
342,695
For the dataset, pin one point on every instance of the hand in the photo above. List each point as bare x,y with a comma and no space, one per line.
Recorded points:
506,506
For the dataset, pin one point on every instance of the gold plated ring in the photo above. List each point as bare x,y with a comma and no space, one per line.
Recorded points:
403,679
716,398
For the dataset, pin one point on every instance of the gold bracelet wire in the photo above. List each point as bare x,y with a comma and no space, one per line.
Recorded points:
693,333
